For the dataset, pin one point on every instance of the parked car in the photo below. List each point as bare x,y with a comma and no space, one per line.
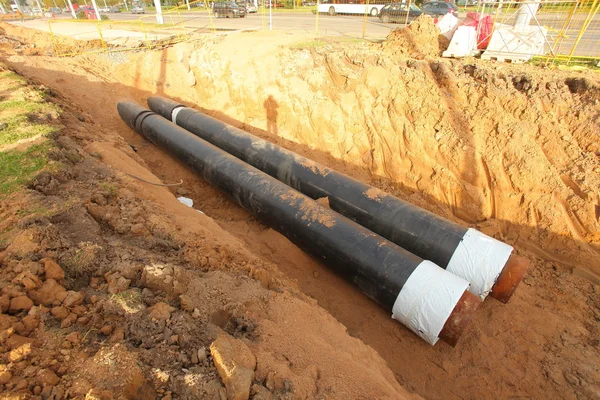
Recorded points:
55,10
436,8
114,9
104,9
397,12
228,9
138,9
251,8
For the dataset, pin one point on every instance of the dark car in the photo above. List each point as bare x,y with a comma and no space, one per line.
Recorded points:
228,9
397,12
435,8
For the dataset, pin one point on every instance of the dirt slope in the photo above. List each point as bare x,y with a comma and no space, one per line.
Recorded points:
512,150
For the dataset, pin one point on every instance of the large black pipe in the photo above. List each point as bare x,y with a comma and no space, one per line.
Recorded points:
421,232
377,266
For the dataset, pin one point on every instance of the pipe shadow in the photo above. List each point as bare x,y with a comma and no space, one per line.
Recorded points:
414,362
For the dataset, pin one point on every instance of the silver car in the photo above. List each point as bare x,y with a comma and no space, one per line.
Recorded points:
137,9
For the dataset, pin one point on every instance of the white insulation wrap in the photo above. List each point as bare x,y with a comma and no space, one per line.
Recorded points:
479,259
174,114
427,299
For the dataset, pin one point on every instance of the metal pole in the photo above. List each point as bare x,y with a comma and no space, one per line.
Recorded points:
73,13
39,6
159,17
188,4
586,23
270,15
105,5
317,18
96,10
408,12
126,7
364,29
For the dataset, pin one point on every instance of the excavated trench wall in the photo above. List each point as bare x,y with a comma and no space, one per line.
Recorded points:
509,149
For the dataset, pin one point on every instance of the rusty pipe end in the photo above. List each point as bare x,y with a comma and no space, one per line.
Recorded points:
510,277
459,319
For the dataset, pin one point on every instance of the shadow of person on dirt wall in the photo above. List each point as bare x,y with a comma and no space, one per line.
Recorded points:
271,107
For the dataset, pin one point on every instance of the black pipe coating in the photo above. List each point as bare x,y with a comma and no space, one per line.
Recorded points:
377,266
419,231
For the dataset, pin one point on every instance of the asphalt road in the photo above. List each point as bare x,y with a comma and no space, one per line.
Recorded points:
353,26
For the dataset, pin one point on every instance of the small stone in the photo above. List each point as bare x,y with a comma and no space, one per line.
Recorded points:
117,284
5,374
316,274
81,118
47,294
201,354
3,126
235,363
67,322
53,270
4,303
73,337
73,299
186,303
161,311
31,322
117,336
59,312
106,330
260,392
66,345
97,394
61,296
194,357
173,339
37,390
167,397
47,377
196,314
21,303
20,353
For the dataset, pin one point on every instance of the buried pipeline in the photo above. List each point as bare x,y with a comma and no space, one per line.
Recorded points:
486,263
429,300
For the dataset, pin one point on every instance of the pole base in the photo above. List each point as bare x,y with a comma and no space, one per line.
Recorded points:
461,316
509,279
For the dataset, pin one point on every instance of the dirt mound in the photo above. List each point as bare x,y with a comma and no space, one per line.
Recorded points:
20,40
113,289
420,39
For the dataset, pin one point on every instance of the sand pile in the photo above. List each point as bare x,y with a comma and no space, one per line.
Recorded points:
420,39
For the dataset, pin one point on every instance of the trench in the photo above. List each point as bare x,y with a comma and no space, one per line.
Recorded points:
508,351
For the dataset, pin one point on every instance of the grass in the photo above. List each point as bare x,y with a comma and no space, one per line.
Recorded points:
311,44
22,112
18,167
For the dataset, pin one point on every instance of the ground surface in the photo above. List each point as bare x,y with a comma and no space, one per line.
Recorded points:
511,150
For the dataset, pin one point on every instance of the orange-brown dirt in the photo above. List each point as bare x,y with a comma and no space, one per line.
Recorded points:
511,150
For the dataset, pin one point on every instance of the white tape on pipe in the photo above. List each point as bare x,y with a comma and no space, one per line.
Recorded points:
479,259
174,114
427,299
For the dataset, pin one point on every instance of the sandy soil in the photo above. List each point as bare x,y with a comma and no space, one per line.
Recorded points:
511,150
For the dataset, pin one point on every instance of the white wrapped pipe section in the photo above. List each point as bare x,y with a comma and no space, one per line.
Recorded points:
480,260
427,299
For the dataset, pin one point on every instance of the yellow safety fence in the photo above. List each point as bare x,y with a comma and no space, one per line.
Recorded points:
102,36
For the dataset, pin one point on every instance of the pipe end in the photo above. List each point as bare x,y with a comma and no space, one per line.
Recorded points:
510,277
459,319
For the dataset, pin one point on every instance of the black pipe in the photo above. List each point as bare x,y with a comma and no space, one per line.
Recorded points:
378,267
419,231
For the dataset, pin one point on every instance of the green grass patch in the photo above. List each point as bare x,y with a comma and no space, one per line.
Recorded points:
19,167
311,44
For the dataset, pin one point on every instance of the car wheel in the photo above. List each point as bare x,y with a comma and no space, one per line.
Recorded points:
385,19
332,11
374,12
